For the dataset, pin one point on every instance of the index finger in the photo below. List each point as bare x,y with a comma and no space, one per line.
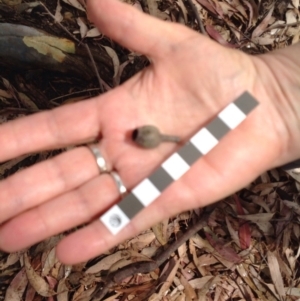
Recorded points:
51,129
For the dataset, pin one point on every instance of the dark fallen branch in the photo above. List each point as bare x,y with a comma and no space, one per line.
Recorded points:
144,267
26,48
100,80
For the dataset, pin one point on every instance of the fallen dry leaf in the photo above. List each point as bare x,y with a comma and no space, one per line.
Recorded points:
217,36
275,273
244,229
12,258
263,24
226,252
188,289
92,33
4,94
30,294
62,291
75,4
38,283
207,5
155,12
141,241
160,231
27,102
183,10
83,29
58,16
17,287
113,55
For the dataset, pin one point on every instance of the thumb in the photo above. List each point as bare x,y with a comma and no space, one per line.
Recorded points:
135,30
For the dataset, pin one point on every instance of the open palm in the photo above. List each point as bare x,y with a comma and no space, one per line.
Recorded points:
190,79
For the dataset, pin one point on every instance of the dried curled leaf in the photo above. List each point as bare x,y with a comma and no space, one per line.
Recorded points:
17,287
275,273
75,4
154,11
263,25
38,283
114,57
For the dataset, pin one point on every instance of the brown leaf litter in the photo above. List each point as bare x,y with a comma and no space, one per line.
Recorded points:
245,247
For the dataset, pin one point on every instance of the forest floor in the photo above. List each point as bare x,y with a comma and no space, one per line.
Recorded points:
245,247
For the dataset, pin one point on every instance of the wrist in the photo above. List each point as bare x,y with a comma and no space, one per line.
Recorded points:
278,82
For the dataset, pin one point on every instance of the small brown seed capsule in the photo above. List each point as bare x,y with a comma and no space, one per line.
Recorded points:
149,136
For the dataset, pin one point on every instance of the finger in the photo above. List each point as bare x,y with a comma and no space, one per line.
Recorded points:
134,29
47,180
51,129
71,209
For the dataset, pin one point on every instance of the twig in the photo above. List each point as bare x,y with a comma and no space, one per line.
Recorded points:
79,42
148,266
95,67
73,93
199,21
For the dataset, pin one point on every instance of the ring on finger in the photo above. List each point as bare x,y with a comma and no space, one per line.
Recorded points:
121,187
99,158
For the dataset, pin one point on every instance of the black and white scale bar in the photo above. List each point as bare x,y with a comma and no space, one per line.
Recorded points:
118,216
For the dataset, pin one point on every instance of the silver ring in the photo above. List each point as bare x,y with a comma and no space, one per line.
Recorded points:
122,189
99,158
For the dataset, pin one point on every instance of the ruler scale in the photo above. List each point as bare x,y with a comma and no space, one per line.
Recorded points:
142,195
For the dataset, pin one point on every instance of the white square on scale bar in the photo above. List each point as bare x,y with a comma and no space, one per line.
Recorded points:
175,166
146,192
114,219
204,141
232,116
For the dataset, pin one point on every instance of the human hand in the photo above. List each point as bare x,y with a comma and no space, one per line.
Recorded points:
190,79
